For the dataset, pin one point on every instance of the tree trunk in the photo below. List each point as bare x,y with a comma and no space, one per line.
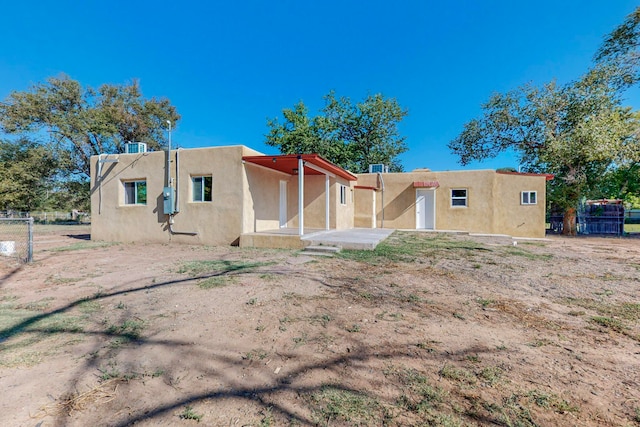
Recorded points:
569,227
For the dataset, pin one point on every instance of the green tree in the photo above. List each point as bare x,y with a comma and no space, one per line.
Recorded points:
620,51
576,132
27,174
621,183
80,122
352,136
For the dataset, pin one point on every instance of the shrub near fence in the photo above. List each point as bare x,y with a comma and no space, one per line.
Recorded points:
16,239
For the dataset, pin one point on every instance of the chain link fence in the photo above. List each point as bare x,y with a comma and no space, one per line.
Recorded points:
16,239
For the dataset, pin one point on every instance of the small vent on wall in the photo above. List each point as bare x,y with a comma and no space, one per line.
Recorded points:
135,147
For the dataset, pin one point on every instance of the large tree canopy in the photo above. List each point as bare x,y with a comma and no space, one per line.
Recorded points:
351,136
621,51
81,122
27,172
576,132
580,132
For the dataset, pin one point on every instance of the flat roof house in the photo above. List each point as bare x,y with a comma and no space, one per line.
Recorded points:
235,195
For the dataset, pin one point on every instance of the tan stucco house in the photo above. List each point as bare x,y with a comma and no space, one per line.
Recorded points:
236,195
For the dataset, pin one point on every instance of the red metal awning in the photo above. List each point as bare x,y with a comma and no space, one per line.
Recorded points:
426,184
288,163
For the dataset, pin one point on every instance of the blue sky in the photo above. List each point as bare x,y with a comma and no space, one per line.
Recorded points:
229,65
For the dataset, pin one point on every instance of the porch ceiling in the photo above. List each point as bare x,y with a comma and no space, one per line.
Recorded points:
288,163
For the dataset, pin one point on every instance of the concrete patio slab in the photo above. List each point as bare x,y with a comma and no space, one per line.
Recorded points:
355,238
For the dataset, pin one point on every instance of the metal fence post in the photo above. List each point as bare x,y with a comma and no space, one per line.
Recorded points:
30,248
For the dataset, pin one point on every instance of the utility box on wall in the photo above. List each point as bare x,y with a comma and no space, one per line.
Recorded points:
169,195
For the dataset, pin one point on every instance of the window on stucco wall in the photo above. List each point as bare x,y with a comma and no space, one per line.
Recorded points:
343,194
459,197
529,197
135,192
201,187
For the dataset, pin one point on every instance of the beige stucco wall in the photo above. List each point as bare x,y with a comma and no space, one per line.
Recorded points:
493,201
218,222
364,208
477,217
340,216
262,198
245,198
512,217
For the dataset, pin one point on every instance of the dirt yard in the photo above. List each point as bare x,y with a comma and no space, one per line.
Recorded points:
430,329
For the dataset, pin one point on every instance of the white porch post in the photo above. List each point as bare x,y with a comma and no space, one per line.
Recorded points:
326,201
300,196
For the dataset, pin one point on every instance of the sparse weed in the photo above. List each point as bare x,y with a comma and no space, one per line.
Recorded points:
353,328
485,302
109,372
457,374
82,245
411,247
551,401
323,320
219,267
189,413
608,322
89,306
258,354
129,329
539,343
490,375
216,282
301,340
514,250
40,305
338,405
267,419
427,346
157,373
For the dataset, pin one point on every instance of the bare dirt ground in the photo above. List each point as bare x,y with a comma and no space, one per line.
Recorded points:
431,329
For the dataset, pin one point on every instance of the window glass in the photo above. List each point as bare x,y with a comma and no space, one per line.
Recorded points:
343,195
529,197
202,188
459,197
135,192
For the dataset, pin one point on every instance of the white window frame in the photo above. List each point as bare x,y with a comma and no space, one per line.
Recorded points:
201,196
343,195
465,198
525,197
134,185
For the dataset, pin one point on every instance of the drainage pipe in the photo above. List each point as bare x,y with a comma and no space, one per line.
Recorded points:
382,188
176,207
99,183
185,233
168,174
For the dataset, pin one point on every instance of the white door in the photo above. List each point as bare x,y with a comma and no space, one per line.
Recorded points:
283,204
425,209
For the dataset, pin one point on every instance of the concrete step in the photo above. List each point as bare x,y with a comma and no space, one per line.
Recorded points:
321,250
